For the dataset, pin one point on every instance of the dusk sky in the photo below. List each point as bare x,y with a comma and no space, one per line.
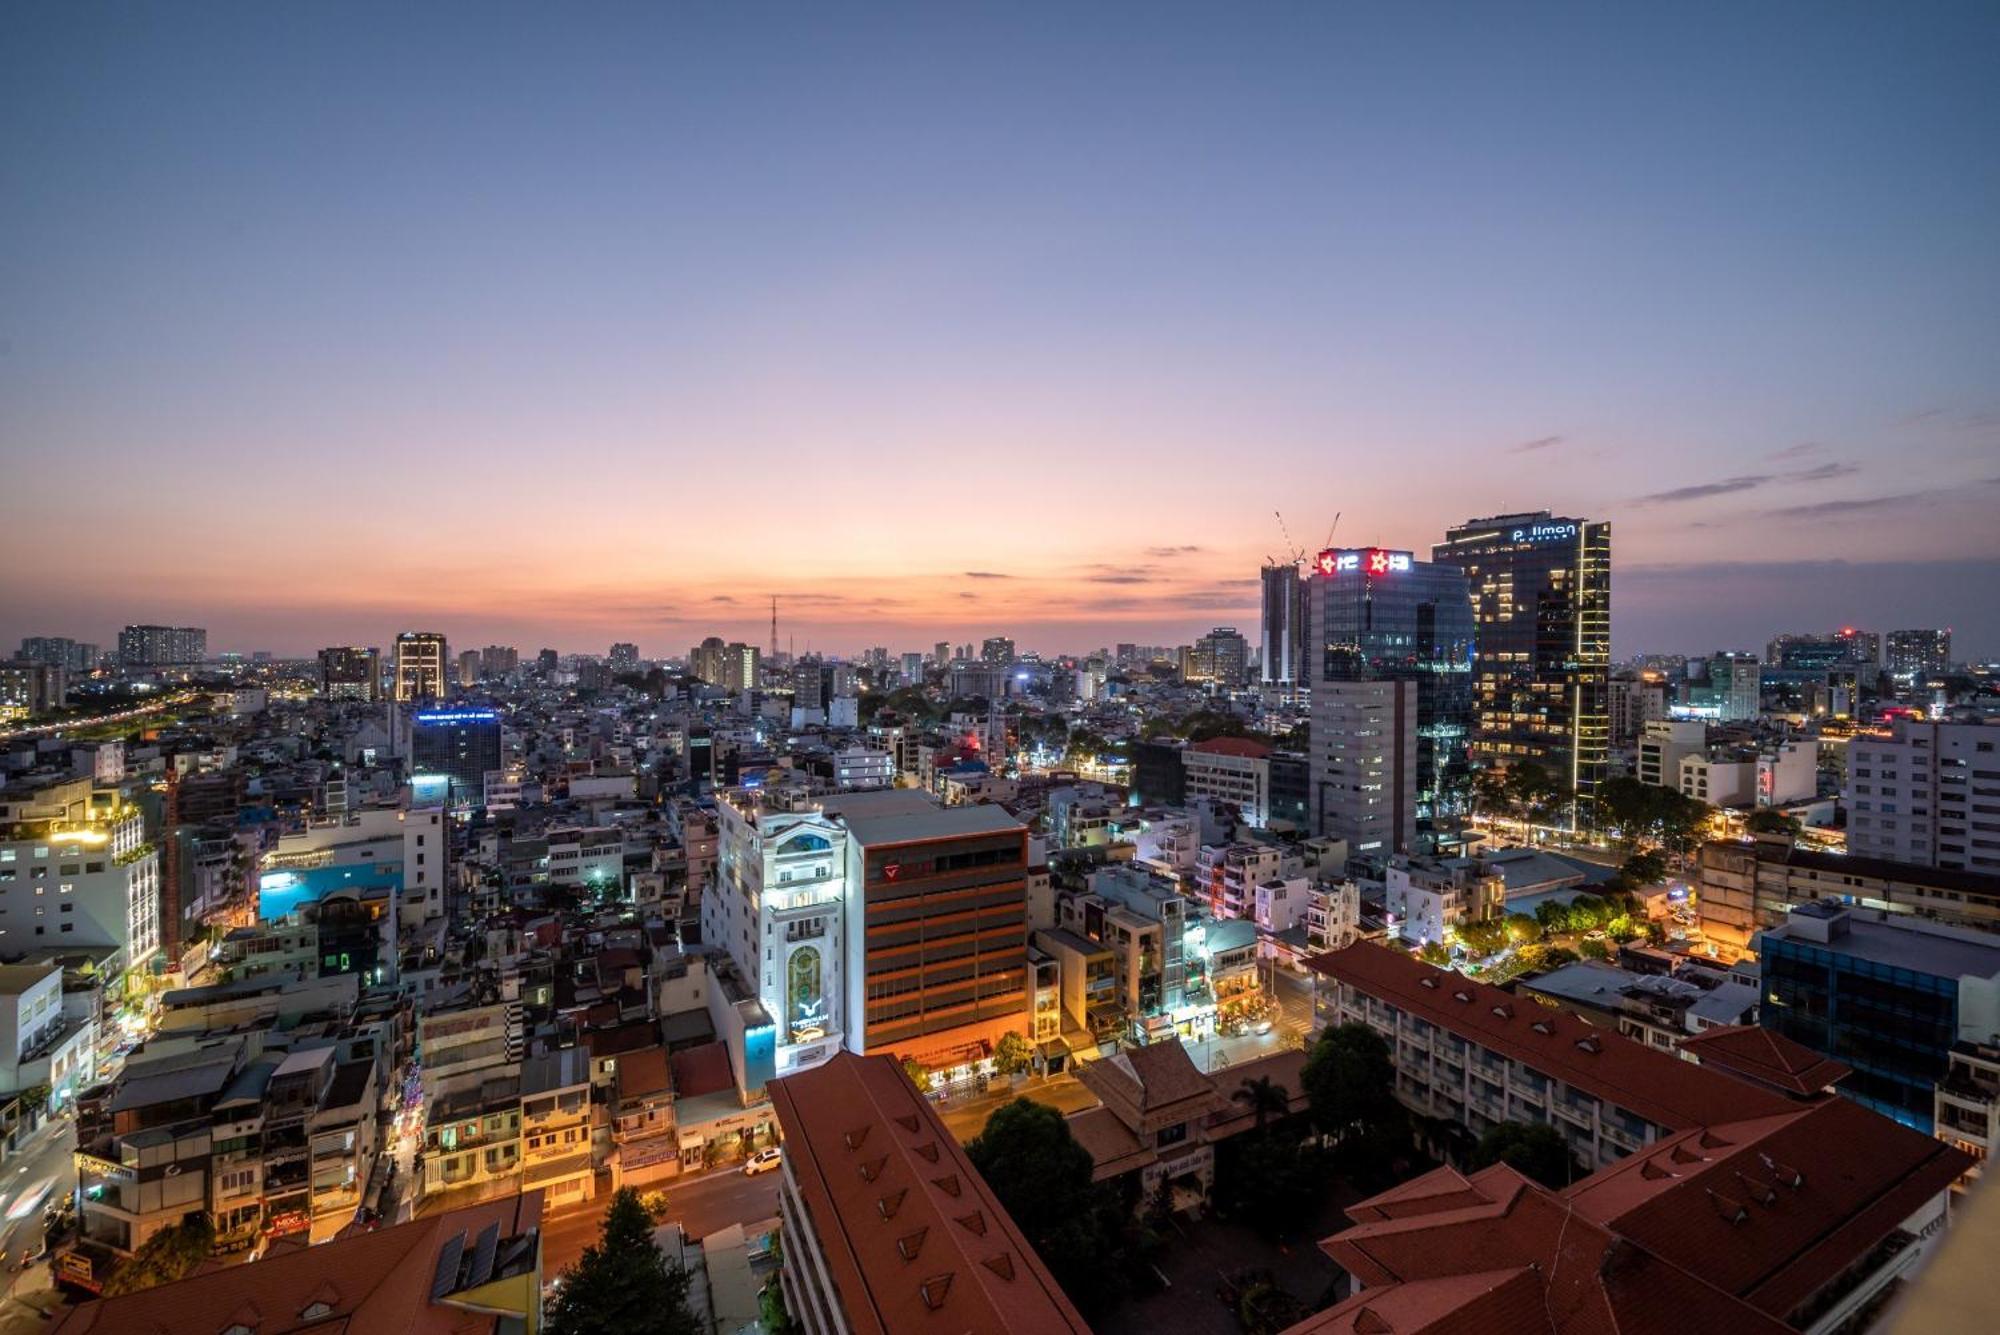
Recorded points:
564,325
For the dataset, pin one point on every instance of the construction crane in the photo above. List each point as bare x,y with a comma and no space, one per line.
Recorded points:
1299,554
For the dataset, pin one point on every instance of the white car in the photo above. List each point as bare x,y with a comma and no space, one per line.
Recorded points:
763,1161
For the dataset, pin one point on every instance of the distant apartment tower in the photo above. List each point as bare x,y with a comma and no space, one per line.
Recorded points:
735,667
77,658
1846,647
998,650
350,672
161,646
624,657
1283,623
28,688
497,661
1222,656
1928,793
1913,654
1541,594
1391,677
421,666
460,745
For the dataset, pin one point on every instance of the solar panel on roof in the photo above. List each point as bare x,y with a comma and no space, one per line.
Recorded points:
445,1278
482,1256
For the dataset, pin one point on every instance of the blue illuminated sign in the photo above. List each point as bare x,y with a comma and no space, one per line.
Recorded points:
459,716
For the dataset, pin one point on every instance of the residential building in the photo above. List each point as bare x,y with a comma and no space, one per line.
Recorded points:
1888,996
29,689
161,646
1540,587
1235,770
350,672
1392,700
421,668
1664,744
1637,698
1966,1113
1475,1054
74,657
1226,876
556,1127
406,851
887,1225
1927,793
1744,888
77,870
997,650
472,1271
1914,655
44,1041
1425,897
1845,647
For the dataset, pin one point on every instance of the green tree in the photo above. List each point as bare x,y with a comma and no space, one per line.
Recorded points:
1770,820
1594,950
1533,1149
1041,1175
623,1284
171,1254
1433,952
1012,1053
1350,1083
1265,1098
1483,938
1645,869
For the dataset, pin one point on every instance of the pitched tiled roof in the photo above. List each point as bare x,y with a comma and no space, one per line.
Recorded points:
703,1070
1662,1089
643,1072
913,1238
1150,1079
380,1281
1113,1148
1731,1227
1769,1058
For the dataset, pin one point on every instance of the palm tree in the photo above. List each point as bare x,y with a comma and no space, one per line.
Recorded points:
1264,1097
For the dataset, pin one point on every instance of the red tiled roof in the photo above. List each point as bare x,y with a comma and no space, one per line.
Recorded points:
612,1040
1661,1088
1757,1053
1773,1208
378,1281
1231,746
644,1072
1731,1227
704,1069
913,1238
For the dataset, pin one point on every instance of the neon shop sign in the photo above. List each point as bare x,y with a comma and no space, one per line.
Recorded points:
1367,560
1544,533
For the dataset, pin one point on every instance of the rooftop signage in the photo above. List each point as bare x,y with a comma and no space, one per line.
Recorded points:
1367,560
1544,533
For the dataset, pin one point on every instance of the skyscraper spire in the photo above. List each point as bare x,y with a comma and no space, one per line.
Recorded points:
774,628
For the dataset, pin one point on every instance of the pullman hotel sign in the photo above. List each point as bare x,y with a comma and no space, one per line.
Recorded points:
1544,533
1369,560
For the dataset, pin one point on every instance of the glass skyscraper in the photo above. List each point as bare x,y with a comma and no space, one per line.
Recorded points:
1541,592
1390,661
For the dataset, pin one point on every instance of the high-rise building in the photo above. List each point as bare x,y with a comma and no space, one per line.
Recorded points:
497,661
77,658
468,668
28,688
350,672
736,666
941,653
913,669
1283,623
1389,658
1846,647
998,650
1913,654
624,657
460,745
80,872
1222,656
421,666
161,646
1922,794
1541,597
547,661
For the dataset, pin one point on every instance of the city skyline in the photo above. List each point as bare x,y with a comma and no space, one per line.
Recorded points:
559,337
